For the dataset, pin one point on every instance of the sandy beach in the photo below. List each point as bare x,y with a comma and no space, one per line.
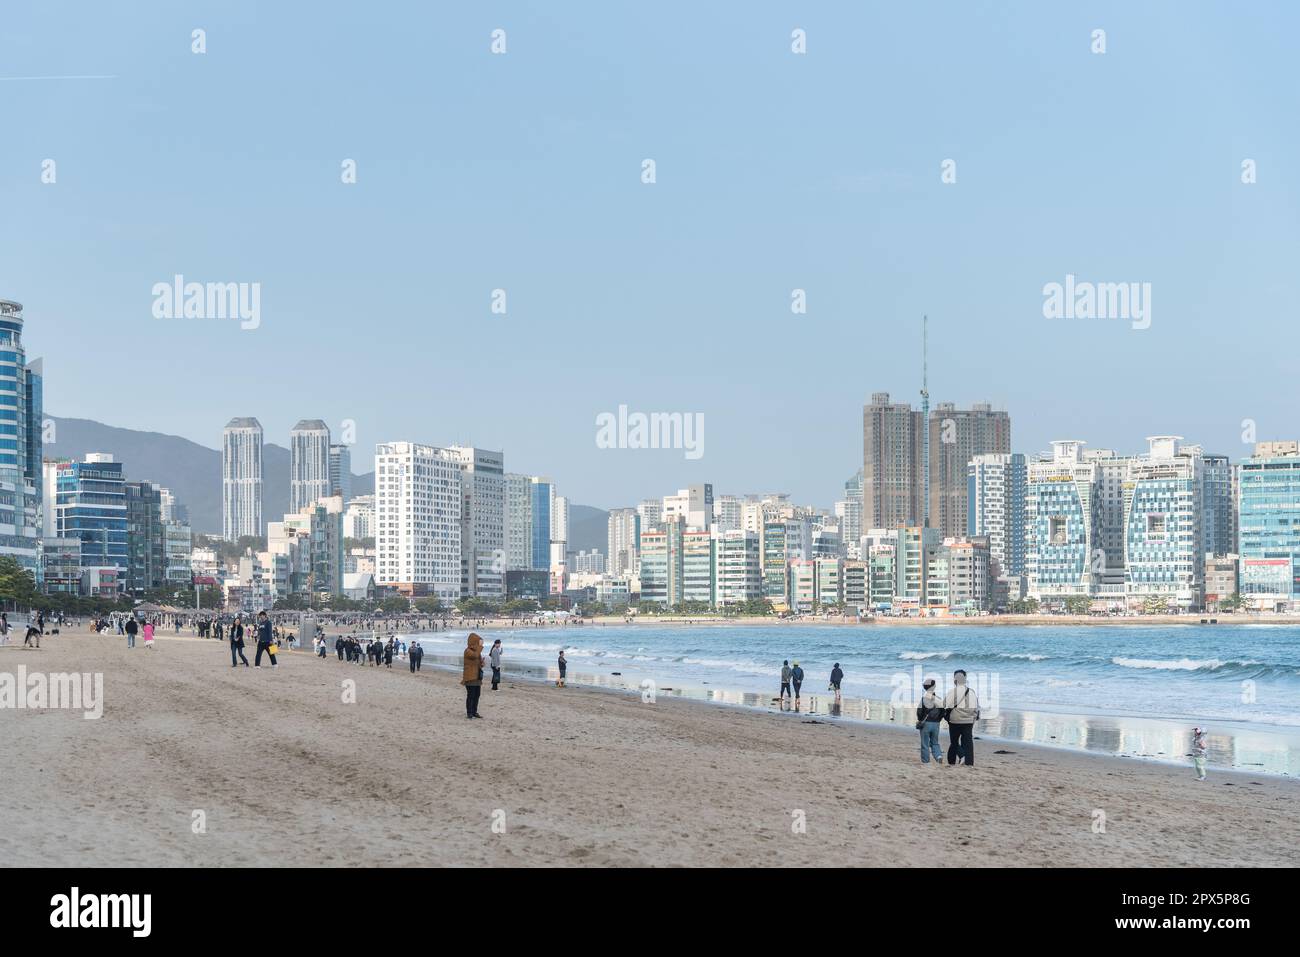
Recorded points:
284,772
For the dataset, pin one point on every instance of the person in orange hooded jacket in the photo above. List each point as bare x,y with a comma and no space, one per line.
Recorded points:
472,678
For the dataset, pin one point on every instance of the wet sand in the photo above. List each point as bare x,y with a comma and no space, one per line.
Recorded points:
284,772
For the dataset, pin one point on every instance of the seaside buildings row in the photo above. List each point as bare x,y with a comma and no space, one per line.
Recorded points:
943,517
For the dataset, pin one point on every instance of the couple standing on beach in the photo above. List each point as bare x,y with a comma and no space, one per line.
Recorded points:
472,674
960,707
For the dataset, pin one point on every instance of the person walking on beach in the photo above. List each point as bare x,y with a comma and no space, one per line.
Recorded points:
472,676
388,653
796,679
237,643
961,708
265,641
416,656
494,656
837,675
131,628
928,715
785,680
148,634
564,667
1200,750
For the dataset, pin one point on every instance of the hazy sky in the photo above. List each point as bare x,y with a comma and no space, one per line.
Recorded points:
775,171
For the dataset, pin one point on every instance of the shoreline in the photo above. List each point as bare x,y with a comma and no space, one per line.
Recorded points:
1095,734
287,771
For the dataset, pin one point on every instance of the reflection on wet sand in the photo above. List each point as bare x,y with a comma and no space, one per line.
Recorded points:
1273,751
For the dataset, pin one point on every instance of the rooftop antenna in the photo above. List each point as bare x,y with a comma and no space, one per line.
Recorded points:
925,419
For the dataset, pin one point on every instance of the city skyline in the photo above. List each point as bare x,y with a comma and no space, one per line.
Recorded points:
683,287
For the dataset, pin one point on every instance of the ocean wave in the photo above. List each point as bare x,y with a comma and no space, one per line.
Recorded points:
1181,664
1025,657
923,655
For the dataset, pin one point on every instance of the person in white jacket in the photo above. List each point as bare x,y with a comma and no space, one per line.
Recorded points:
1200,749
961,709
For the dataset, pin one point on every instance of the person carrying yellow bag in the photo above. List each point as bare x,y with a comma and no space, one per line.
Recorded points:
265,641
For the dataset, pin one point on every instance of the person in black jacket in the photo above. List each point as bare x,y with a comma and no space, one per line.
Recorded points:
237,643
928,715
415,655
837,675
264,640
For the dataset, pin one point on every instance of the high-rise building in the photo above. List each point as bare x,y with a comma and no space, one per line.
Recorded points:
417,520
1063,515
146,537
89,504
482,522
1219,495
728,512
699,571
624,534
1268,526
21,448
694,505
560,526
661,564
957,436
541,505
651,512
996,508
359,518
739,573
341,471
893,437
309,463
241,479
1164,555
518,521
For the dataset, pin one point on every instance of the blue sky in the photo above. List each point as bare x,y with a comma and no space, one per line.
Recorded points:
775,171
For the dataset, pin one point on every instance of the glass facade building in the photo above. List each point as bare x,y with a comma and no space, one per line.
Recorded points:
21,437
541,497
90,504
1269,528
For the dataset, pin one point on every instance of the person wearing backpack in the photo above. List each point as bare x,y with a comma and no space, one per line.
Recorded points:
785,679
928,715
961,709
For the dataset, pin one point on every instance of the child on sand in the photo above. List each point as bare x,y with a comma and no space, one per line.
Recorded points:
1200,749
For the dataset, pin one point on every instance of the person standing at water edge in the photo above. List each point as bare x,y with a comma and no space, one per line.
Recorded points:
495,657
472,677
564,667
961,707
1200,749
796,679
785,679
837,675
265,641
928,715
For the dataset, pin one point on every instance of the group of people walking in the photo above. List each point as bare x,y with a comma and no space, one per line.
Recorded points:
372,651
960,707
262,631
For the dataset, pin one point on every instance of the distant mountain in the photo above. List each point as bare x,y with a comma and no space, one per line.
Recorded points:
588,529
193,473
190,470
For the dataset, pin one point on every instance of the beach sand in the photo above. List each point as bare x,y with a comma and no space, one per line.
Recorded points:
286,773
